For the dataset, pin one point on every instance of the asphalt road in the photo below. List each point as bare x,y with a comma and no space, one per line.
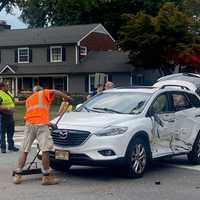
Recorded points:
163,181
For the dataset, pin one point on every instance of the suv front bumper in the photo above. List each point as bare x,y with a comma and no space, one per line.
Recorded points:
82,159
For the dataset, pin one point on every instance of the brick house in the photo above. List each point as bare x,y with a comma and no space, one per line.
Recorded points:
65,58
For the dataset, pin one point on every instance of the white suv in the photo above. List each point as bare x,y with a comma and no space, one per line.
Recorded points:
129,128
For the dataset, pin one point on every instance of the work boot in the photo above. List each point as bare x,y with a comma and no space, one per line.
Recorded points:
49,180
15,149
17,179
3,151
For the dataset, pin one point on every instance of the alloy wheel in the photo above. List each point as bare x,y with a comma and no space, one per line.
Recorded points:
138,159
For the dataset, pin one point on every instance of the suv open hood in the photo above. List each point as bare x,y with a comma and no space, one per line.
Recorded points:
186,84
189,80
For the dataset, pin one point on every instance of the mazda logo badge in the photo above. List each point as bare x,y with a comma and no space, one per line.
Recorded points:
62,134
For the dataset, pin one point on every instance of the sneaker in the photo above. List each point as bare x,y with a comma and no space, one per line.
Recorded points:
3,151
15,149
49,180
17,179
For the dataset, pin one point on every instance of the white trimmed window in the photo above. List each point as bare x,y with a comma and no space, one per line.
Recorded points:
23,55
56,54
83,51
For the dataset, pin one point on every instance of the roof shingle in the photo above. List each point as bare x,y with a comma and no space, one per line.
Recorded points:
44,36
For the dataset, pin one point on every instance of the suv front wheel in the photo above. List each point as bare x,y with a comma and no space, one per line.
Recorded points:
136,158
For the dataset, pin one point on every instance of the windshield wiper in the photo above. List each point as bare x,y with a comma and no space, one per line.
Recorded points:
108,109
136,110
87,109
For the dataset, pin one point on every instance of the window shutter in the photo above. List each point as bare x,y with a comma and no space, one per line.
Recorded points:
48,54
63,54
16,55
30,55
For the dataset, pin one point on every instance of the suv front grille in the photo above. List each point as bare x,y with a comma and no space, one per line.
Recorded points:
64,137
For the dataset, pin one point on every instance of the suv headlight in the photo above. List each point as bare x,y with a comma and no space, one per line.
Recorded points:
110,131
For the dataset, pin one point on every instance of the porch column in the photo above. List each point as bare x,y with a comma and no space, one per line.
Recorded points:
13,86
67,82
16,86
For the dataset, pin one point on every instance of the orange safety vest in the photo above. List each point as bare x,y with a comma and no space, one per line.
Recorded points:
37,108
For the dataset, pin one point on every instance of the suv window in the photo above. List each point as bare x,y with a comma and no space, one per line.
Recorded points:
180,102
160,105
194,100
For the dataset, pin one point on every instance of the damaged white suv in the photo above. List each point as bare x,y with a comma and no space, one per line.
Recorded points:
128,128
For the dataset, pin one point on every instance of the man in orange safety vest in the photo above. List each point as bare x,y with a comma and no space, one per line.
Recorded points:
36,127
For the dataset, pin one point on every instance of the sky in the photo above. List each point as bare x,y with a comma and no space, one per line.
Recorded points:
12,19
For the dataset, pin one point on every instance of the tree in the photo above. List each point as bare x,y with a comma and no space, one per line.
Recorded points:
40,13
192,8
158,41
9,4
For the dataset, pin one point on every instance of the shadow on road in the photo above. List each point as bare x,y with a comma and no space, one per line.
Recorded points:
102,173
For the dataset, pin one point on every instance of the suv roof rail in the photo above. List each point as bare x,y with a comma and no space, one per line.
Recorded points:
136,86
182,87
191,74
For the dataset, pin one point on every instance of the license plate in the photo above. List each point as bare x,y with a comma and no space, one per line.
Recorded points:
61,155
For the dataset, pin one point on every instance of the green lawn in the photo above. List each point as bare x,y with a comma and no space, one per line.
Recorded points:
20,110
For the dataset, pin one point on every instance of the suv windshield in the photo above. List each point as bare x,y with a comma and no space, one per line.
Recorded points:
116,102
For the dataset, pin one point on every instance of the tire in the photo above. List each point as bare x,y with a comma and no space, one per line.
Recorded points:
60,165
194,155
137,158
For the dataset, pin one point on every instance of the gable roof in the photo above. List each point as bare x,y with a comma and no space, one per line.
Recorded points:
45,36
7,70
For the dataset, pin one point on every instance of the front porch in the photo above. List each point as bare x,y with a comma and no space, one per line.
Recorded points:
24,84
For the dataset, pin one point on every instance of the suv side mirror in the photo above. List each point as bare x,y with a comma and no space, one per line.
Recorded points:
151,112
79,105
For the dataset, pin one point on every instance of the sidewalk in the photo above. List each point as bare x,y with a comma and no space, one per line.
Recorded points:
19,128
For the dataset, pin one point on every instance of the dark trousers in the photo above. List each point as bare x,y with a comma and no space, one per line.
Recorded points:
0,129
7,127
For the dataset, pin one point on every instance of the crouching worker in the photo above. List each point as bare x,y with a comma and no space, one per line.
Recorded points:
36,127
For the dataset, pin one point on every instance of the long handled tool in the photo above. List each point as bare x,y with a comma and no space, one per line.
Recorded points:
29,170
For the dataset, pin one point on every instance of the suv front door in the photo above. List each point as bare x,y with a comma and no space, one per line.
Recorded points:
163,123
